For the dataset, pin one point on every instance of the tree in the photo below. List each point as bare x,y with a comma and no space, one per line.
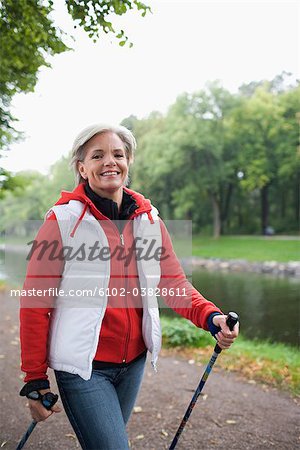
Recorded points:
287,194
20,204
28,195
207,163
10,182
28,35
151,170
280,83
260,130
184,160
232,160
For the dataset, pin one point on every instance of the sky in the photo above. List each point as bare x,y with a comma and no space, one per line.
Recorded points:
178,48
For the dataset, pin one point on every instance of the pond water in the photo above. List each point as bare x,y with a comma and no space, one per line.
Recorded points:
268,306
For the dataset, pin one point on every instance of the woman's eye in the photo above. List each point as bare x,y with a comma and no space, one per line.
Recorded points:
117,155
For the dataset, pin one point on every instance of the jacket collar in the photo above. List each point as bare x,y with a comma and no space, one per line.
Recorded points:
133,203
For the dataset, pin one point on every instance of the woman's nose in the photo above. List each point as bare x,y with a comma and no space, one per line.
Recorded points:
109,160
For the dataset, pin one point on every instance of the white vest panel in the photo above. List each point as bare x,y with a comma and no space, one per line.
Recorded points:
76,321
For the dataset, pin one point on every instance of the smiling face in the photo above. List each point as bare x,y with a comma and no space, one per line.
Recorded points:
105,165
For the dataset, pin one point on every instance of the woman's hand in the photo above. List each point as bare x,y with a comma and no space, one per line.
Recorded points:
38,411
225,337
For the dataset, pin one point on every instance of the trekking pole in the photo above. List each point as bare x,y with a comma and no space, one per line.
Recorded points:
48,400
26,435
231,321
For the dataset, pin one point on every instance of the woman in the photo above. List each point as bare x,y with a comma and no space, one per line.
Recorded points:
96,330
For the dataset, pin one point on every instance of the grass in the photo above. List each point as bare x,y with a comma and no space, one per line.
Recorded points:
251,248
273,364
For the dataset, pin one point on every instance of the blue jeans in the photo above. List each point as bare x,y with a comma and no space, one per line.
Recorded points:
98,409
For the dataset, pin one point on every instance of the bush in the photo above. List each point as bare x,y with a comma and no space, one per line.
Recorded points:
179,332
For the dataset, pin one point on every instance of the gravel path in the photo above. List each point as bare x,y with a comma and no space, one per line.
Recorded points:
232,413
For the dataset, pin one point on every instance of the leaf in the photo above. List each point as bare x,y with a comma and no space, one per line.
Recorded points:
3,443
70,435
140,436
122,43
137,409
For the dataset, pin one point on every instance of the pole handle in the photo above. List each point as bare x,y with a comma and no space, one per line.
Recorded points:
231,321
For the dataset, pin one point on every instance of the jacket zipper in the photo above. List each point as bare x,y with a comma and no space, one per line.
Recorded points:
126,306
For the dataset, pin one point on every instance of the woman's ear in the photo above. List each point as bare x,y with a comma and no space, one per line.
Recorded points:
81,170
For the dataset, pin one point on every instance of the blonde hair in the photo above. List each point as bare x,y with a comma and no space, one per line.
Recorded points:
78,149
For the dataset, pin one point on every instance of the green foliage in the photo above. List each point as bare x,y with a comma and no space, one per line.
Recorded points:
177,332
8,182
197,158
265,128
28,35
228,162
257,125
289,134
94,16
209,160
34,195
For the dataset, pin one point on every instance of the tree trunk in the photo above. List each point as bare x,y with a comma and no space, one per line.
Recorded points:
225,208
283,202
216,216
264,209
297,203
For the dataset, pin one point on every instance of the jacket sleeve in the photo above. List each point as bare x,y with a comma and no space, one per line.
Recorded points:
186,301
43,276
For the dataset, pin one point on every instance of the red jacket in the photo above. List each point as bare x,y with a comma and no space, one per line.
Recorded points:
121,337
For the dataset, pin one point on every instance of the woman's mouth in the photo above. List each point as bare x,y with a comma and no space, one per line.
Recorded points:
110,173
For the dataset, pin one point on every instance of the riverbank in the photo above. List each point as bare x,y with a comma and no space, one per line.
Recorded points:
284,269
274,255
273,364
